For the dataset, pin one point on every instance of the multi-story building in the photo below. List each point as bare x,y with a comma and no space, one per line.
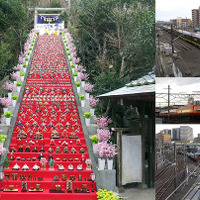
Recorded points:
175,134
186,133
166,131
196,18
163,138
197,139
181,22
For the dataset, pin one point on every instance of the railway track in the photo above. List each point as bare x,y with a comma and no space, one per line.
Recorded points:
165,177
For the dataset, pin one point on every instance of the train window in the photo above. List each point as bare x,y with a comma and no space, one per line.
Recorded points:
198,109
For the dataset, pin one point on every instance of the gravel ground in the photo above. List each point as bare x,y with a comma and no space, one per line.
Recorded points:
188,55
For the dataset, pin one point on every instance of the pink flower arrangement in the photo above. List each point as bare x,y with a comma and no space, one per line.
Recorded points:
83,77
2,150
15,76
80,68
89,87
107,150
111,151
5,101
102,122
74,54
93,101
103,134
76,60
21,58
9,86
17,68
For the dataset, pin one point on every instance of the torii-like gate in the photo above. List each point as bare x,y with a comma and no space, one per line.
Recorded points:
44,9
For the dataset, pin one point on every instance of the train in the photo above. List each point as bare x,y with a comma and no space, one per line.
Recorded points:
191,112
192,38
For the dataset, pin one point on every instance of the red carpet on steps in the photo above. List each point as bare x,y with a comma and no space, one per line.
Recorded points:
48,109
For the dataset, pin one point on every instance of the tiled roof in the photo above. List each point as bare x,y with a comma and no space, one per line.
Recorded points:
143,85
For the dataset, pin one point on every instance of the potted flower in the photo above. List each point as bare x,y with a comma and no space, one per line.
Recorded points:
94,141
93,102
18,84
78,84
102,121
70,61
14,99
83,77
110,152
15,76
43,162
72,68
22,76
5,102
8,116
88,88
9,87
82,97
24,67
101,152
26,59
75,76
87,116
104,134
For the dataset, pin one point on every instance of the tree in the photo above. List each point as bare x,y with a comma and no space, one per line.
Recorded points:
114,33
14,25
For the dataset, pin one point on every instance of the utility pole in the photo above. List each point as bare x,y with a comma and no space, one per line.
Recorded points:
168,100
185,159
175,165
172,38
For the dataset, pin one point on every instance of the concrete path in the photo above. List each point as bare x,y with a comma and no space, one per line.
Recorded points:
138,194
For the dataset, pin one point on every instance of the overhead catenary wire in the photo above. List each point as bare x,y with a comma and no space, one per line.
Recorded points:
182,183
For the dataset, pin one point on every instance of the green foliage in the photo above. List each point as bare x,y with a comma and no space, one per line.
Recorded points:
78,84
82,97
18,84
2,138
114,35
72,66
24,65
26,59
87,114
94,139
105,195
14,26
14,97
75,74
22,73
7,114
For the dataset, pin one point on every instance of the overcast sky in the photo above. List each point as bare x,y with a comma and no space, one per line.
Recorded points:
170,9
196,127
184,85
